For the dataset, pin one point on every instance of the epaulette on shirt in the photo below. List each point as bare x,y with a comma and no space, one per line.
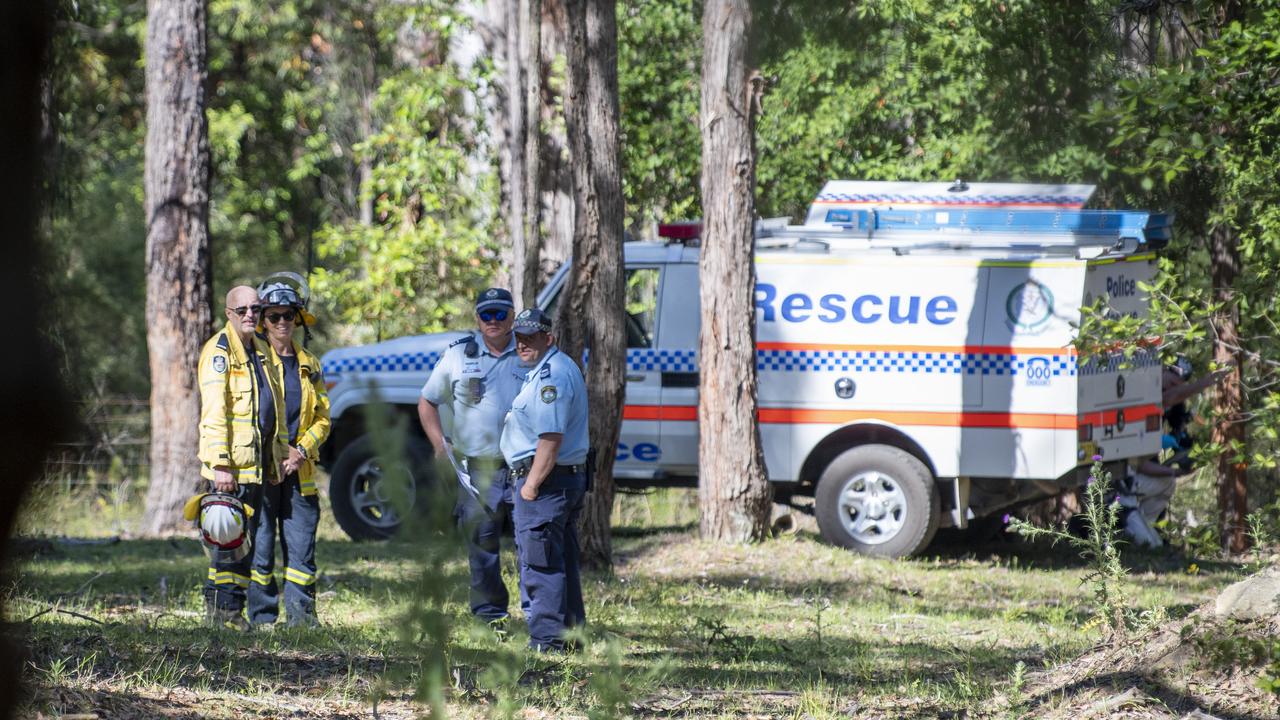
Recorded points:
472,349
222,342
545,372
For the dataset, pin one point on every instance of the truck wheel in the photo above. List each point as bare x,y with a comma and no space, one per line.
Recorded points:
363,499
878,500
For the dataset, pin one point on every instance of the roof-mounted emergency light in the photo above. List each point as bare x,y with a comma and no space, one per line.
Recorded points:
681,232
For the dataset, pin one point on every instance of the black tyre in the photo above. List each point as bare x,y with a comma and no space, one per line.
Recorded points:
364,501
878,500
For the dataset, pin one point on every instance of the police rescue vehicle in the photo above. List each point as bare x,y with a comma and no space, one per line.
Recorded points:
915,357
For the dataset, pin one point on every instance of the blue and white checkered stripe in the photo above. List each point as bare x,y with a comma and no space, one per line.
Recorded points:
979,200
662,360
944,363
859,361
401,362
1117,362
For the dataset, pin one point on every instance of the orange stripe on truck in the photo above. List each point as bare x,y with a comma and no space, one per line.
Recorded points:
1132,414
970,419
660,412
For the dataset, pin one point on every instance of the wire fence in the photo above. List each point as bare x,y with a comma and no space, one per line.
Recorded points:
111,447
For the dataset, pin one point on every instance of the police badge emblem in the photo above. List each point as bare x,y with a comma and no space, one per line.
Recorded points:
548,394
219,364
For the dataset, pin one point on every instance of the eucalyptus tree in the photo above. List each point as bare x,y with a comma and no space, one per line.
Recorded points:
179,269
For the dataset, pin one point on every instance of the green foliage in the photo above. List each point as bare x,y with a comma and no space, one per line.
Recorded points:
94,225
1237,644
1197,134
426,507
430,247
930,90
1100,548
659,76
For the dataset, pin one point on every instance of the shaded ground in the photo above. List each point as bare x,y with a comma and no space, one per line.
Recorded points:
789,628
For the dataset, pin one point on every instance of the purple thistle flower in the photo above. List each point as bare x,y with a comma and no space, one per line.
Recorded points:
1006,518
1097,458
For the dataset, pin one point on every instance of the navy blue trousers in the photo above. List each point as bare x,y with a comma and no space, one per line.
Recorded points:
483,528
547,543
287,514
227,581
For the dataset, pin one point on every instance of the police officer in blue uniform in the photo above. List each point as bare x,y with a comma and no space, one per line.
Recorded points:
478,378
544,440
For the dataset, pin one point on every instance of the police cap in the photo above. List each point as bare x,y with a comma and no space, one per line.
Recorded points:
494,298
532,320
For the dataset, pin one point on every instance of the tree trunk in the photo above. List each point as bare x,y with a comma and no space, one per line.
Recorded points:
556,174
514,147
33,405
591,312
1229,429
531,39
179,268
733,490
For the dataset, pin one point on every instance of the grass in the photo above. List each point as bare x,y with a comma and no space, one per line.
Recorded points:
790,628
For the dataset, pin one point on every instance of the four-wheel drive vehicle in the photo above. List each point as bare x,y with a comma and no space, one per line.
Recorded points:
915,357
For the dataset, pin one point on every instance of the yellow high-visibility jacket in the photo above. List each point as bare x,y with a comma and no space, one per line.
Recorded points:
229,433
313,414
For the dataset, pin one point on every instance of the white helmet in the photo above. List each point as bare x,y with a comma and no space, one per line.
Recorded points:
223,521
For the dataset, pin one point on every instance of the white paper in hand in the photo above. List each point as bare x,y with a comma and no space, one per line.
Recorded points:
464,478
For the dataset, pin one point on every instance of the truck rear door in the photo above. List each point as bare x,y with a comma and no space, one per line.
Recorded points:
1120,411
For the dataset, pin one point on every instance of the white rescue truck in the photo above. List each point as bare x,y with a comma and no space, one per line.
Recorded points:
915,357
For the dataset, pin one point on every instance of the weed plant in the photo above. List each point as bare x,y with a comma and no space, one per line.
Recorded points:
1100,548
425,506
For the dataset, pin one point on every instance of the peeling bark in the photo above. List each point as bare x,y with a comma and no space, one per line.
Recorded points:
1229,428
733,490
179,266
591,313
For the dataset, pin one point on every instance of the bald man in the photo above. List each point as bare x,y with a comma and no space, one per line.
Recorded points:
242,437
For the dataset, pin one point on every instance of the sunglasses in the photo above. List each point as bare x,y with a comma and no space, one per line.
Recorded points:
492,315
240,311
286,316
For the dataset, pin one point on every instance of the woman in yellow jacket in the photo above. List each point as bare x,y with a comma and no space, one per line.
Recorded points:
241,437
291,509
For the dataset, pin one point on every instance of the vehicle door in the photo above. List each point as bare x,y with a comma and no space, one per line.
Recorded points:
676,354
638,447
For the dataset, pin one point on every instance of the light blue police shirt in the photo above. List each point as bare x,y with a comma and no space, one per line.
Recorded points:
479,391
553,400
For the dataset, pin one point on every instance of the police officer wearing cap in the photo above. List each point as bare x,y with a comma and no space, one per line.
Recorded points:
544,440
477,379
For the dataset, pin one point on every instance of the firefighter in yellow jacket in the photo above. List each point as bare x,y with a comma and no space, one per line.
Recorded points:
242,436
290,510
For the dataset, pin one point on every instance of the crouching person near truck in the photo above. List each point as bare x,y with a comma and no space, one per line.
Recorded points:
544,440
1150,484
290,509
241,439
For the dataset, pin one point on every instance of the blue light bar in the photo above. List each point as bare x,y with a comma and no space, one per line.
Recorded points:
1150,228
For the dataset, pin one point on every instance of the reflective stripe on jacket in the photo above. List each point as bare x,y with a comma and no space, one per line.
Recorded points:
313,414
229,434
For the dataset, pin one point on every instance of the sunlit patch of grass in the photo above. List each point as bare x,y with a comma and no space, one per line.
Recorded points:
788,628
